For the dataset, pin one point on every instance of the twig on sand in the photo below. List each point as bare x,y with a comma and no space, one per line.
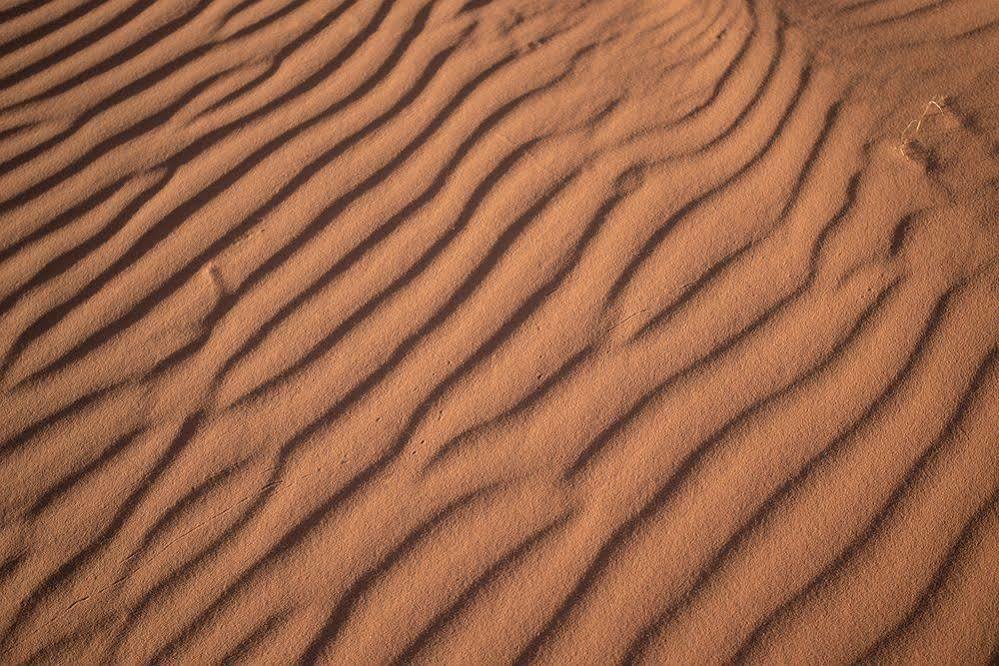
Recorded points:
911,131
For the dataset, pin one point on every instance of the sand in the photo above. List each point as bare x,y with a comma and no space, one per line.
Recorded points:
492,331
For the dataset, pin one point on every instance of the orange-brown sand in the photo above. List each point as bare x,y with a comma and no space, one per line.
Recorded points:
499,331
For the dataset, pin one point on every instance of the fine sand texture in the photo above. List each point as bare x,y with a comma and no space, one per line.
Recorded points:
499,331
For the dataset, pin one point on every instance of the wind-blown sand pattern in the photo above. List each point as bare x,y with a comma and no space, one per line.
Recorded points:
491,331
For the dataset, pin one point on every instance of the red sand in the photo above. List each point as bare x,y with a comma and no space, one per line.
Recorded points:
480,331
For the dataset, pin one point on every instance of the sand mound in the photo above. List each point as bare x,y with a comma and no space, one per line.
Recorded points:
479,331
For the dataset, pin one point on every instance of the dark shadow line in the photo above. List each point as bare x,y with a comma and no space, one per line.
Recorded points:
68,481
40,32
605,554
529,399
340,615
358,251
10,566
275,63
659,235
239,653
132,132
69,568
75,254
78,44
458,297
174,513
159,232
25,7
319,514
61,221
15,442
123,56
828,453
730,260
493,572
950,559
751,526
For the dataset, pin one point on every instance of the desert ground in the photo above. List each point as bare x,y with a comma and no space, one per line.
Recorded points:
499,331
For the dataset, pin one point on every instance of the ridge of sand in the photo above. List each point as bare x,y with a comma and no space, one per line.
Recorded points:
490,331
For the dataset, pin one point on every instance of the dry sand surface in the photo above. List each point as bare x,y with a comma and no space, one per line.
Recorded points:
499,331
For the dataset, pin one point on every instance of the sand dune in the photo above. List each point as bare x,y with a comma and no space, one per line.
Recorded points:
490,331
